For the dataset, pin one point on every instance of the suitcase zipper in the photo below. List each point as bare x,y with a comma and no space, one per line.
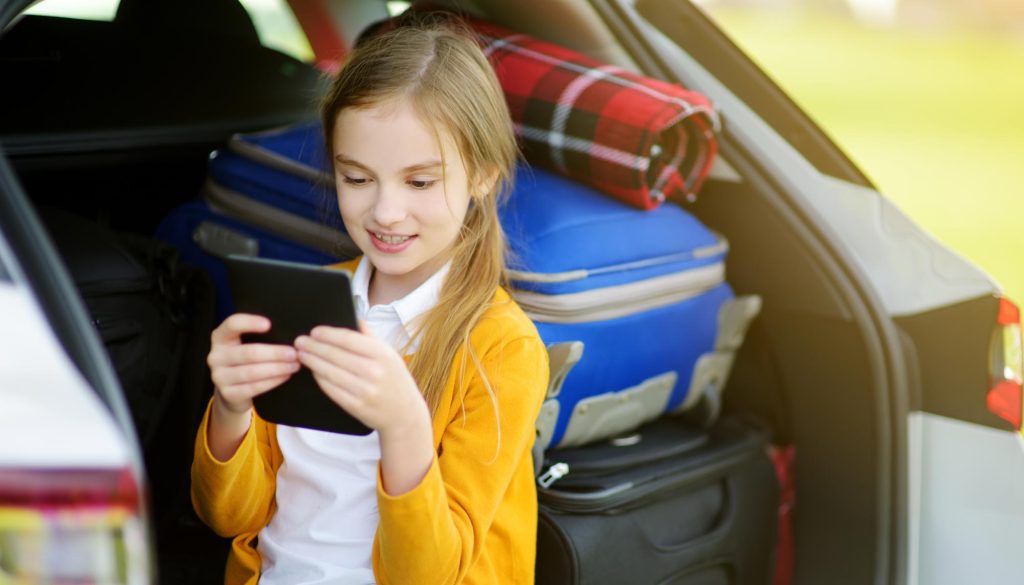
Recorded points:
553,474
623,300
719,249
631,491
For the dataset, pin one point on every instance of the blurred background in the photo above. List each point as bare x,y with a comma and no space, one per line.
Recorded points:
926,96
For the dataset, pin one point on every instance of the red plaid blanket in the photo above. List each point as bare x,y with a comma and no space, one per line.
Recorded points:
638,139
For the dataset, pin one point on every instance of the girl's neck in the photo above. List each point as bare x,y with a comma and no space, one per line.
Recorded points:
385,289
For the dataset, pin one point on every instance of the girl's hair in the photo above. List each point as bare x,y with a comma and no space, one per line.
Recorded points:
447,78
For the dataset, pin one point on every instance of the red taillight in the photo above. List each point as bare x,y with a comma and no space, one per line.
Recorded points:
70,526
1009,314
1007,366
1005,401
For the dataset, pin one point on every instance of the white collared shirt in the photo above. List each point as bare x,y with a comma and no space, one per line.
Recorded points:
322,532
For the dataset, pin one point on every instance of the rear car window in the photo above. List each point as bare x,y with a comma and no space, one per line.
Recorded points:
278,29
274,21
102,10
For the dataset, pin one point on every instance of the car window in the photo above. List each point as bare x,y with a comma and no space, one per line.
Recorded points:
396,7
697,34
103,10
278,29
275,23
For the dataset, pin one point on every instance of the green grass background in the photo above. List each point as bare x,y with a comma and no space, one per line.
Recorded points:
935,118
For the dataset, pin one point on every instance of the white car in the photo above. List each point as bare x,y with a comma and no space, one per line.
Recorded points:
889,362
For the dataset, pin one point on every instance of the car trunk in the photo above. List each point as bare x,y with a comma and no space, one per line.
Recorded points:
117,126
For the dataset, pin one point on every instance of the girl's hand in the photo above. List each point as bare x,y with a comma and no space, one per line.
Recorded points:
365,376
241,371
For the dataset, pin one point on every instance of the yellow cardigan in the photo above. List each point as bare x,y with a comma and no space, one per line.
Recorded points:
473,517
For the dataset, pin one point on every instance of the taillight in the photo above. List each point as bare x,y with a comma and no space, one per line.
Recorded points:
1007,365
71,526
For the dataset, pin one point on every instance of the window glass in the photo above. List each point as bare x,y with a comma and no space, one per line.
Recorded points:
278,29
397,7
925,96
82,9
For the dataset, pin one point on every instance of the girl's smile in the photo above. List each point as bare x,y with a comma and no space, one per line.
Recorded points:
390,244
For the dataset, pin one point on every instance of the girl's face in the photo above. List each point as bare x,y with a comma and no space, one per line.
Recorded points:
401,205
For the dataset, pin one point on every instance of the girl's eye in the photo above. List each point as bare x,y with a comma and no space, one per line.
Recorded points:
422,184
357,181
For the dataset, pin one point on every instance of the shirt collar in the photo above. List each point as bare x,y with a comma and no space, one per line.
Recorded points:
408,308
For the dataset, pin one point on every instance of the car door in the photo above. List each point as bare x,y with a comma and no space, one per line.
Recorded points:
941,339
72,504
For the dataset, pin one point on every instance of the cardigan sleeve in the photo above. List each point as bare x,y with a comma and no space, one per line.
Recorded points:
235,496
436,532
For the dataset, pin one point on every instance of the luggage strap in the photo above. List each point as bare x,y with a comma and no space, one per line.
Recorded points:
703,402
561,359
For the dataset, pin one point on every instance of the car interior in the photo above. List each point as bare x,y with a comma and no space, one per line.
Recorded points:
115,121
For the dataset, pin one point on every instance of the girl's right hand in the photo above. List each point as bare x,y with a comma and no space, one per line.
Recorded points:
241,371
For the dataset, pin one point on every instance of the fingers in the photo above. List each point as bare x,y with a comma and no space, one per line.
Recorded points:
243,370
342,397
347,358
338,376
240,400
240,376
341,386
356,342
236,386
257,388
231,330
250,353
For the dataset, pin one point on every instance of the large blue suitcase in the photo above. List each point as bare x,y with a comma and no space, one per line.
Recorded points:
642,292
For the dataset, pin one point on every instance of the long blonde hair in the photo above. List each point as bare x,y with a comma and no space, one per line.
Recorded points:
446,76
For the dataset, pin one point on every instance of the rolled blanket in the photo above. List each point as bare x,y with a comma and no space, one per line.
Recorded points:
637,139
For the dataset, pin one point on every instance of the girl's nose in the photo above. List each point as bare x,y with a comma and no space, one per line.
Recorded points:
389,208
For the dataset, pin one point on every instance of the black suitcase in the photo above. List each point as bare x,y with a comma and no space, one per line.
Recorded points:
668,505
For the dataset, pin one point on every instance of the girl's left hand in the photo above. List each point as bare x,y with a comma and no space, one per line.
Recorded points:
363,375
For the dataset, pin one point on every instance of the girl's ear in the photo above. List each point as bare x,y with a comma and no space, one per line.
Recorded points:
486,182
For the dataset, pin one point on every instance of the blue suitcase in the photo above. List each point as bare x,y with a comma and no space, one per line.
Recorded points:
266,195
645,293
640,293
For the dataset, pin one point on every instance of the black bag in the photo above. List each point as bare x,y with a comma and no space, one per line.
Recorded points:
154,316
668,505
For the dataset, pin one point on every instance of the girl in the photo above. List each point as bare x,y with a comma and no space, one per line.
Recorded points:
446,369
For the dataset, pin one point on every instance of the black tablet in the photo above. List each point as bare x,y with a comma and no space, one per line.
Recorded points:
296,298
